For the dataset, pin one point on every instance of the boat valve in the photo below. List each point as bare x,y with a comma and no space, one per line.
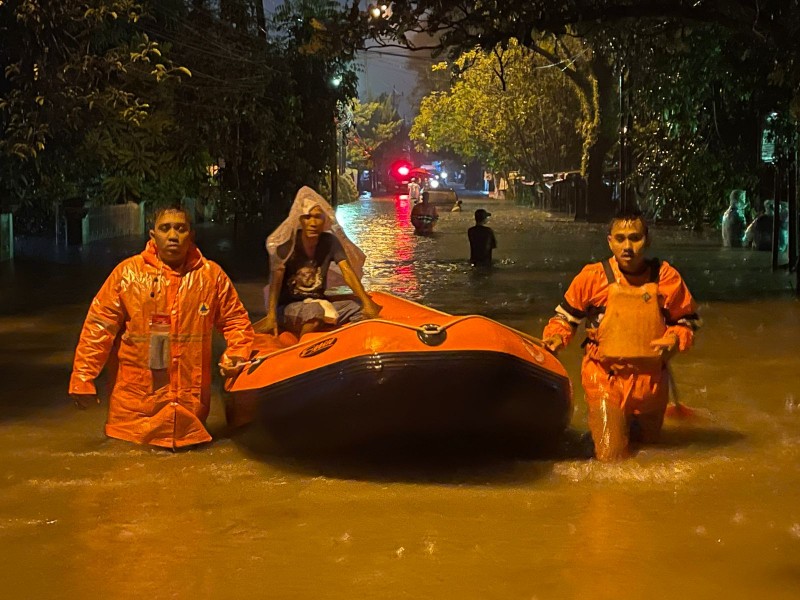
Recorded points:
431,334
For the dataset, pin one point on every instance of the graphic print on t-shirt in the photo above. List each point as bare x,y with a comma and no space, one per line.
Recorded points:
307,280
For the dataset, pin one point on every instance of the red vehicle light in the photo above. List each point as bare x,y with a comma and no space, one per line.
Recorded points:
400,169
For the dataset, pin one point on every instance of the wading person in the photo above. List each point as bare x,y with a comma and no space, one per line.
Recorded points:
154,317
733,222
759,233
424,215
481,240
413,190
301,252
638,313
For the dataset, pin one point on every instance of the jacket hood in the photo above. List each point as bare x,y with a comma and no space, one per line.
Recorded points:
194,258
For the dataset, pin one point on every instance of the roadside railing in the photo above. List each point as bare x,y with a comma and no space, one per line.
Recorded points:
104,222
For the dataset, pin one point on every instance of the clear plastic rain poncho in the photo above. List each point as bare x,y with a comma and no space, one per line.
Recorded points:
281,242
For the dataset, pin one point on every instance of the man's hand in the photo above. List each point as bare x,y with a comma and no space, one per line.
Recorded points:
371,309
268,324
554,343
84,401
667,345
231,366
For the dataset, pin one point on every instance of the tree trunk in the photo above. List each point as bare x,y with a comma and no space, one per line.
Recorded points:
598,206
261,19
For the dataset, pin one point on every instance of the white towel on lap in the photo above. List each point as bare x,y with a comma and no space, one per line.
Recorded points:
330,316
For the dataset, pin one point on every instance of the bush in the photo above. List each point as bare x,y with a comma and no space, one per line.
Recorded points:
346,191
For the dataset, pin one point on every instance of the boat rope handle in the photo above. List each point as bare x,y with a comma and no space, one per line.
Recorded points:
433,328
428,329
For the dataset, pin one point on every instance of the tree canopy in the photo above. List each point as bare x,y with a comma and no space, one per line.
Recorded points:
713,96
506,108
370,125
136,100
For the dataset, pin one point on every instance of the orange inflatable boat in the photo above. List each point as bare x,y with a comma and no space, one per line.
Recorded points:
413,373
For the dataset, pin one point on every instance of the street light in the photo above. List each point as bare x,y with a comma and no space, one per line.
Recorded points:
380,11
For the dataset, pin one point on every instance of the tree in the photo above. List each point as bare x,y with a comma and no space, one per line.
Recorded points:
769,30
370,125
696,111
318,48
78,93
509,109
93,104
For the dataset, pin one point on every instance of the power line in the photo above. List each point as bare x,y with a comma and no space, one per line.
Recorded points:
370,50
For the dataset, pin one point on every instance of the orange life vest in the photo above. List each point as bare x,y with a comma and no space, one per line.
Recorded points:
632,320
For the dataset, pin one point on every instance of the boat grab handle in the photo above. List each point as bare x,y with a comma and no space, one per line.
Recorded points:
432,328
418,329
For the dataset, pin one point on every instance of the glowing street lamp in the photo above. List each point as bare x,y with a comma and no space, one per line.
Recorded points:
380,11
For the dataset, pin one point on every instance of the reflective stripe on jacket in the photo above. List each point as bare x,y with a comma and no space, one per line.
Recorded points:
587,297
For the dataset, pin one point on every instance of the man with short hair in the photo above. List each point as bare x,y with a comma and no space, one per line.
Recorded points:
638,314
154,317
481,240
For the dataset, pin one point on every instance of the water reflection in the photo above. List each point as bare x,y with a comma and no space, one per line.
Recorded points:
382,229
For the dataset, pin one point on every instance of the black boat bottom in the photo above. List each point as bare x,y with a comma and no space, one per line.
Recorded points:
415,398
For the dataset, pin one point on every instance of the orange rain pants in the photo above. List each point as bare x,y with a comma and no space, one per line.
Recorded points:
168,406
624,400
623,403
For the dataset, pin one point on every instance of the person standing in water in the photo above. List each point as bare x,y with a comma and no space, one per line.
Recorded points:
638,314
153,320
733,221
413,191
424,215
481,240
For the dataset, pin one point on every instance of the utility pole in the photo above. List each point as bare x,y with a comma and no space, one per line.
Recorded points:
793,249
334,168
776,213
626,198
343,153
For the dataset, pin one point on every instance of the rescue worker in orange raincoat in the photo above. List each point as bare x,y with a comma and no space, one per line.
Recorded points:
638,314
152,321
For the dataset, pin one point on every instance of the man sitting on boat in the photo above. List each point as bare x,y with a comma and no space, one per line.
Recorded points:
301,251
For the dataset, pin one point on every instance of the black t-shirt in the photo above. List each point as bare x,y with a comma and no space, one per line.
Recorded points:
481,244
304,276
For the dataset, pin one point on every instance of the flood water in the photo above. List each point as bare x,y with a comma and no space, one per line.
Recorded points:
711,512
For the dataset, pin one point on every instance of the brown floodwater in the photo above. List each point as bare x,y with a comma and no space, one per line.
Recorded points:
711,512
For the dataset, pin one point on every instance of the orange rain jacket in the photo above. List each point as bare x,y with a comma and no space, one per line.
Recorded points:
634,391
118,327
